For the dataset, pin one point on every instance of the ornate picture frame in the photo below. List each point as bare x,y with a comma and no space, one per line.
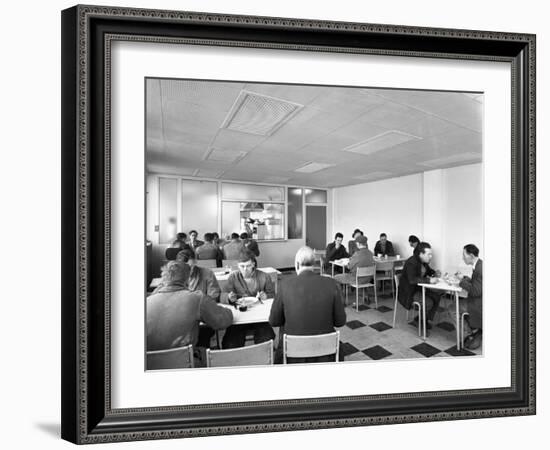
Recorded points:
87,35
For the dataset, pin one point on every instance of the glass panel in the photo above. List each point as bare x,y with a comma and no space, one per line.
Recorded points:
295,213
316,196
262,221
234,191
199,203
168,207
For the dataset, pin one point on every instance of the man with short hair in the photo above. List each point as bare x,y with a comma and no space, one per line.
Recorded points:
413,241
352,245
335,250
308,304
233,248
474,286
384,247
173,312
250,244
178,244
200,278
208,250
194,242
417,270
363,257
248,281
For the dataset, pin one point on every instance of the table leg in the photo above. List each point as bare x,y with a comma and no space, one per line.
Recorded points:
332,270
458,338
424,312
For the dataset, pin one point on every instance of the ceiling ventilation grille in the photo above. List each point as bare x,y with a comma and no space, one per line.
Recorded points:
381,142
312,167
259,114
453,159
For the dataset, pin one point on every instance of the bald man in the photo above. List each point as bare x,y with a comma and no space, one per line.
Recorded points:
308,304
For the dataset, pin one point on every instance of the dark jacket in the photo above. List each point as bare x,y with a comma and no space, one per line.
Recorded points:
332,253
411,276
388,251
172,252
252,245
474,287
208,250
232,250
195,245
262,282
173,316
308,304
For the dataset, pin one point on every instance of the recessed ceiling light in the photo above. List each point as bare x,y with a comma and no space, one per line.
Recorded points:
259,114
373,175
226,156
380,142
461,157
312,167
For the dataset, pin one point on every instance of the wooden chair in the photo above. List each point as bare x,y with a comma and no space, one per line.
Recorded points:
397,278
311,346
172,358
384,271
252,355
209,263
363,272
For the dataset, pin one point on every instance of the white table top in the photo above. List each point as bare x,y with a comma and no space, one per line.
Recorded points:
257,314
444,286
340,262
344,262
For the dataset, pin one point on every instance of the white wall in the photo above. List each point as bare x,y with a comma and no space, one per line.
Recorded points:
443,207
392,206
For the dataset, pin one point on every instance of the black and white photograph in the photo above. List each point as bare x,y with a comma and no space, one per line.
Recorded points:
301,224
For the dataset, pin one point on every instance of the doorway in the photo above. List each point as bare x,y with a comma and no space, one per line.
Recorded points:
316,226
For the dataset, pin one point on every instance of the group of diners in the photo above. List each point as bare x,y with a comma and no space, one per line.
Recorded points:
184,309
213,247
415,271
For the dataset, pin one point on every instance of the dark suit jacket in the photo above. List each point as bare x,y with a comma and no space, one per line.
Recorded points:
195,244
308,304
252,245
389,249
474,287
172,252
410,277
332,253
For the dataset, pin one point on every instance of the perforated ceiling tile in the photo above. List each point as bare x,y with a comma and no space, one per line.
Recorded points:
380,142
259,114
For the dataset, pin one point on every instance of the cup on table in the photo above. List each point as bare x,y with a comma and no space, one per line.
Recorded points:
380,255
397,256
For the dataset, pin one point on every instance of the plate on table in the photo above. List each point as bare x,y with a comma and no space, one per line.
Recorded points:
247,301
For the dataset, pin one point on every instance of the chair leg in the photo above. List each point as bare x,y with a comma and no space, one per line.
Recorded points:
394,311
375,298
357,299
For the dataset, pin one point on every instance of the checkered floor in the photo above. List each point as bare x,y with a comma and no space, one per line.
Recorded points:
368,333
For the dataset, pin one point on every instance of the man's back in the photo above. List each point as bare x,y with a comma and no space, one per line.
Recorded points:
232,250
308,304
207,251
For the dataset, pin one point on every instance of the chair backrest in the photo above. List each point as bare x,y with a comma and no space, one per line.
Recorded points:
173,358
233,263
209,263
252,355
310,346
384,266
365,271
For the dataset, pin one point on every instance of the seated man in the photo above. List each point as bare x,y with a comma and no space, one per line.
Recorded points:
233,248
248,282
474,286
413,241
352,245
250,244
194,242
178,244
417,270
384,247
335,250
200,278
173,312
307,304
363,257
208,250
